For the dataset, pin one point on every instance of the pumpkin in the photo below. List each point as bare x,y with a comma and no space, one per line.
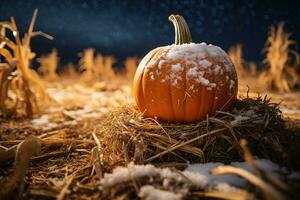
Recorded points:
186,81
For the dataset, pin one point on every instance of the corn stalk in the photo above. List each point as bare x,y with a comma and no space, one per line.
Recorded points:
48,65
20,85
278,54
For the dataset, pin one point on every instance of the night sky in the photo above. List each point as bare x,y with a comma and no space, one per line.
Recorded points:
127,28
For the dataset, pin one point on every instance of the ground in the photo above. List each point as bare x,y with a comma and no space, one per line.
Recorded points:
65,168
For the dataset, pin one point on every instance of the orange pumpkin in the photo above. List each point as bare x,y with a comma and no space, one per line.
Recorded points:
186,81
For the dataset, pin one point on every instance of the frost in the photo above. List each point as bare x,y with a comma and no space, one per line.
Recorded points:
196,74
196,58
204,63
225,187
176,68
197,179
44,119
239,119
175,77
218,70
187,52
213,85
225,182
244,116
123,174
148,192
151,75
44,122
193,52
200,51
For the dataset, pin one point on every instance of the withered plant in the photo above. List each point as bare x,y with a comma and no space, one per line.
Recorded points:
279,59
236,55
108,67
131,64
48,65
104,67
69,70
252,69
20,86
87,65
97,67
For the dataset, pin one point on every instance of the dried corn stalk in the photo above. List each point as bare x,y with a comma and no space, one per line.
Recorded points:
278,54
130,67
48,65
104,67
235,53
99,66
252,69
69,70
20,85
87,65
109,72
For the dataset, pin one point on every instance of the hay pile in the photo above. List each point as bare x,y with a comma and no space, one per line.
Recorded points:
77,159
126,136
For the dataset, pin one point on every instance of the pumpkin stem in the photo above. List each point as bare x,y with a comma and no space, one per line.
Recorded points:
182,31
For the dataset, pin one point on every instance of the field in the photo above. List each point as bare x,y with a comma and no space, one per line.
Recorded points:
77,134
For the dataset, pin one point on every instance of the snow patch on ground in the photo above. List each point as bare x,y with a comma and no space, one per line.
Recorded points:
148,192
43,121
244,116
132,171
124,174
234,180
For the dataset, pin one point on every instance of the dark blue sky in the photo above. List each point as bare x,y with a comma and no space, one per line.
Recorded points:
126,28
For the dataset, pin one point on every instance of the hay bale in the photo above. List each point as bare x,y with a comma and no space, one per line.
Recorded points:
127,136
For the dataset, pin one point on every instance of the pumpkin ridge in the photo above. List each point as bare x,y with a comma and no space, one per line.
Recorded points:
154,108
184,100
202,88
213,93
213,77
160,111
141,95
171,102
177,94
171,97
212,110
230,95
202,100
144,76
138,91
